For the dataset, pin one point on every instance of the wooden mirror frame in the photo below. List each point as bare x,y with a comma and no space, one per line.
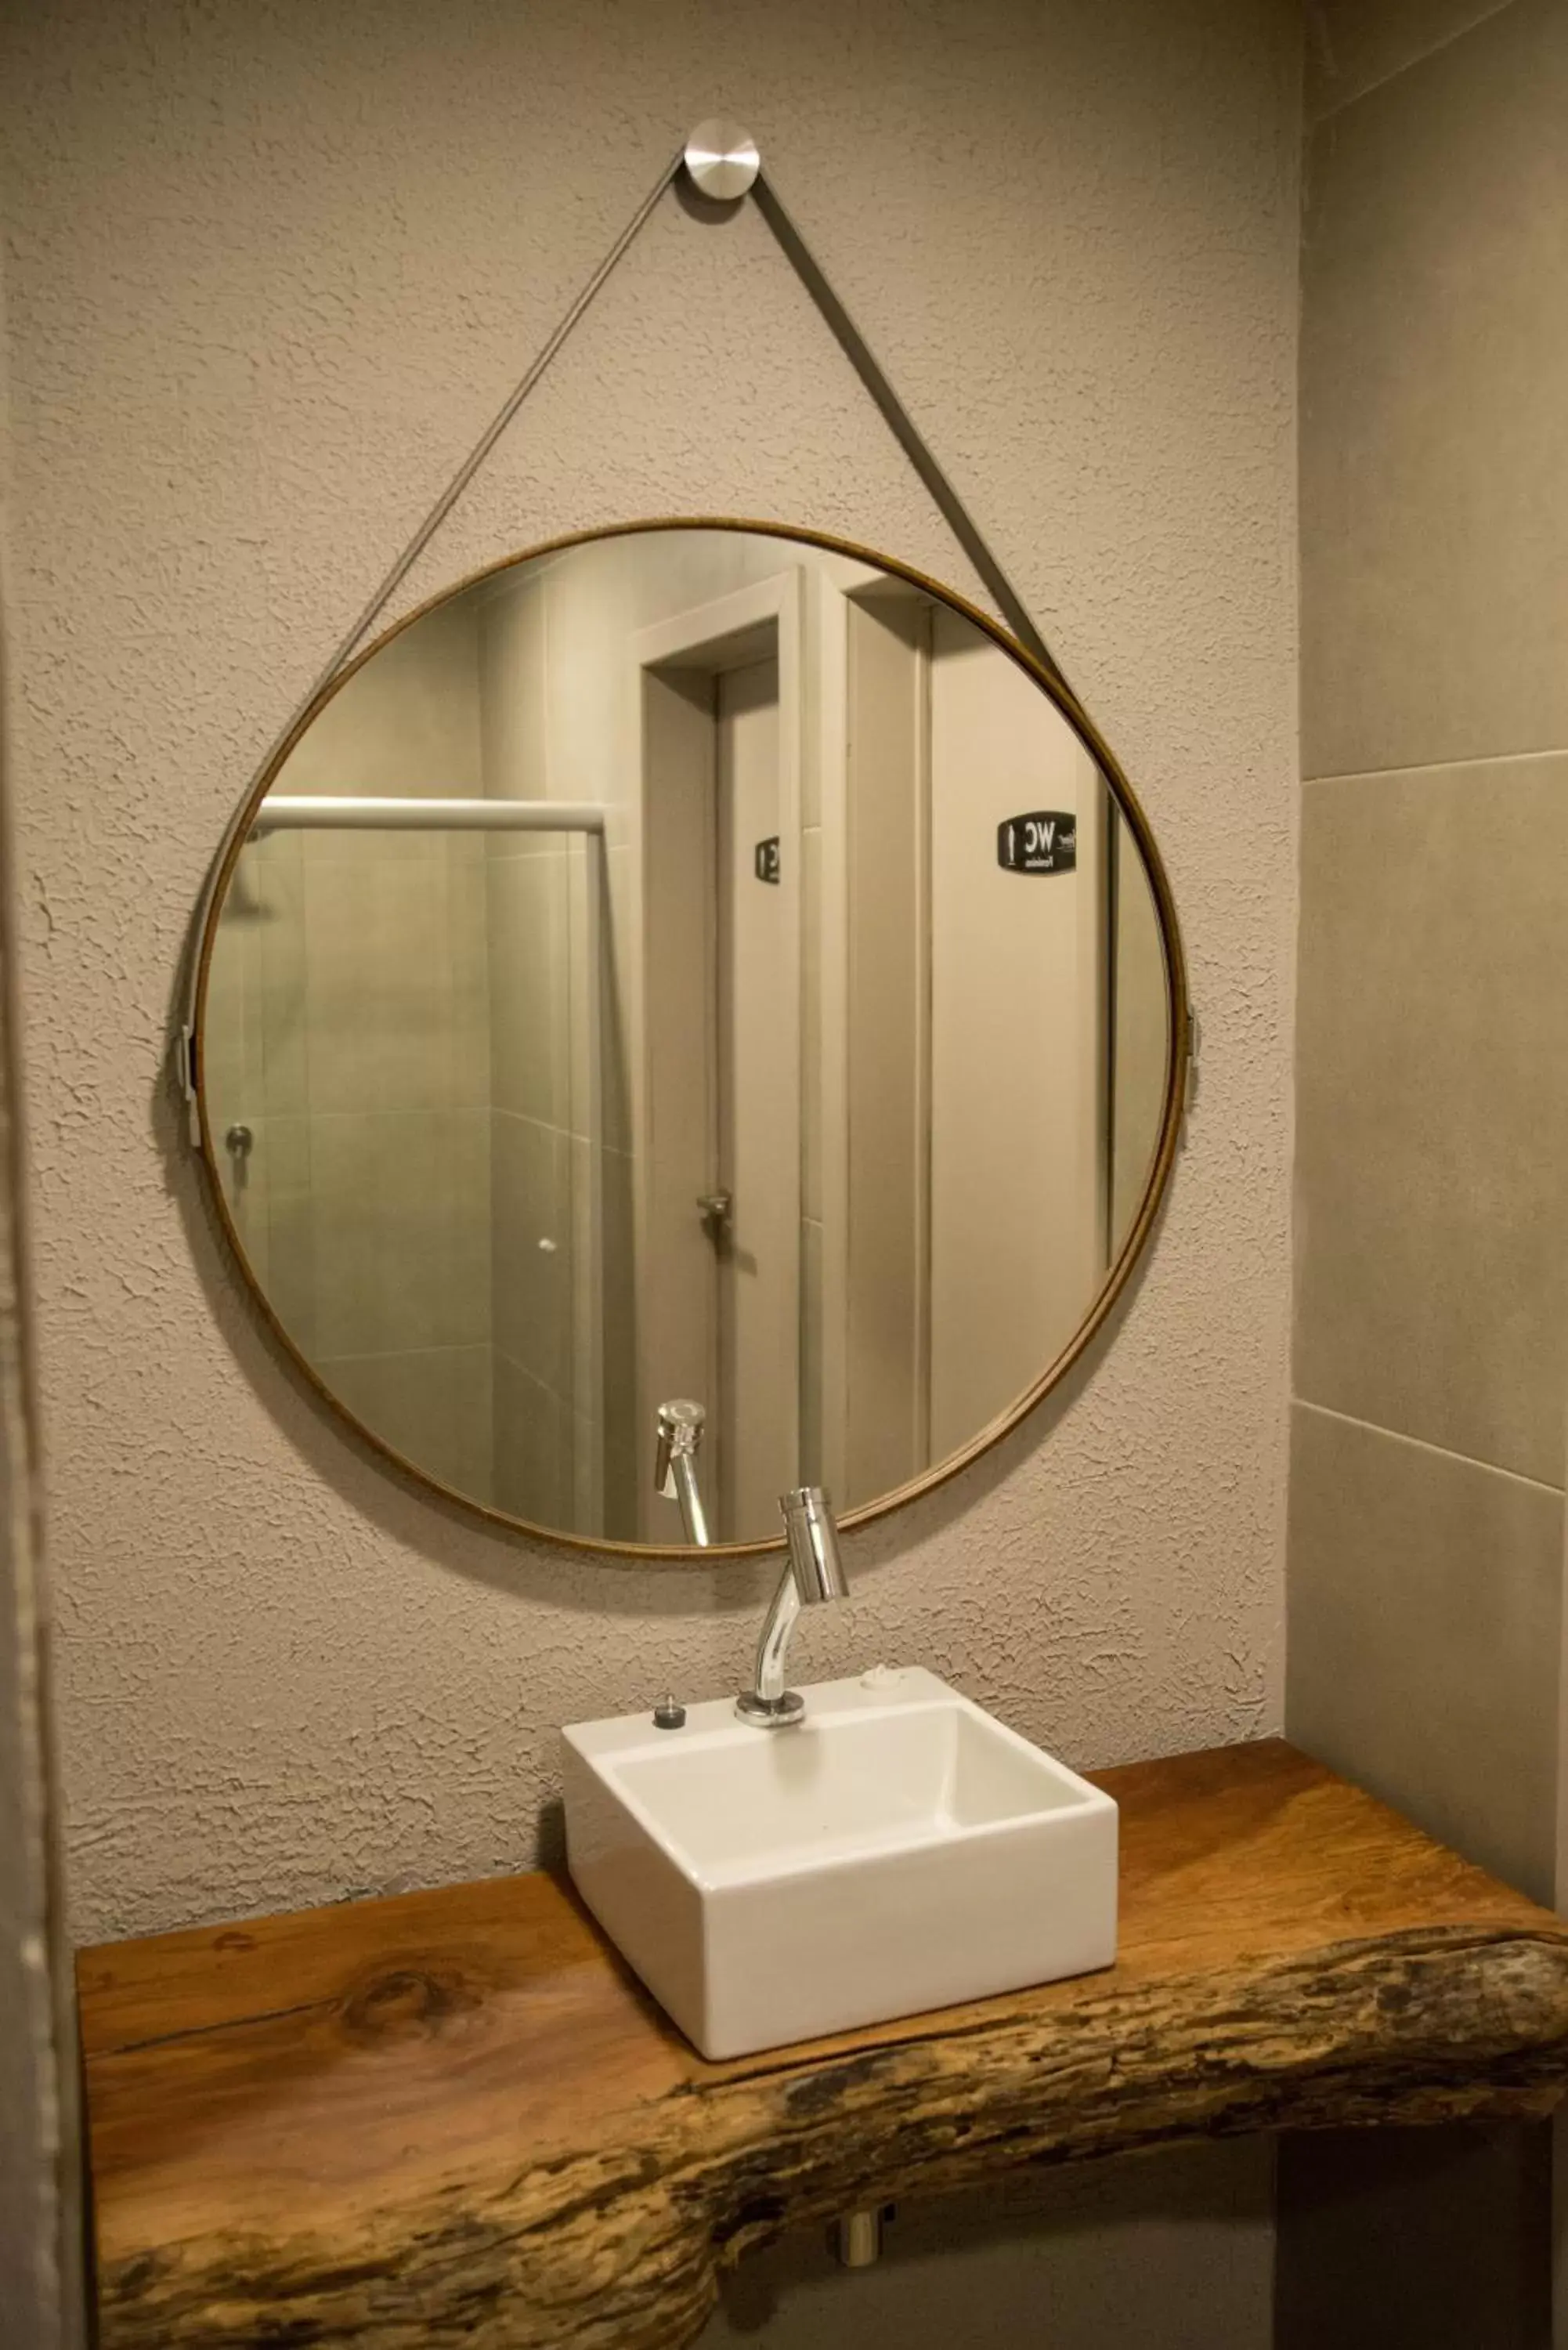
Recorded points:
685,1554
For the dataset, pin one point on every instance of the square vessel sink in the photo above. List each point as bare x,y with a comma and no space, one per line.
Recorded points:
897,1850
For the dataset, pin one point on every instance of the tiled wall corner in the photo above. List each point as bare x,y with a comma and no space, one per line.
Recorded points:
1426,1543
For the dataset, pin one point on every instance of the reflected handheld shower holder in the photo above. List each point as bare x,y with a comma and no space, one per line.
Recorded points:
679,1424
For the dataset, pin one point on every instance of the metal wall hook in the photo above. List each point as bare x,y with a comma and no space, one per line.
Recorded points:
722,160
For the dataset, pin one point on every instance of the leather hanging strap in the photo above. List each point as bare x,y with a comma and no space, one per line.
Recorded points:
874,377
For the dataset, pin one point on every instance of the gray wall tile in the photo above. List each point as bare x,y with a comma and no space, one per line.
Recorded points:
1432,1108
1434,492
1421,1645
1354,45
532,1242
530,975
398,991
1428,2236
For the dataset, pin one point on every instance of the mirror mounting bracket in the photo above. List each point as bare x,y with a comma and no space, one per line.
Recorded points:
1190,1091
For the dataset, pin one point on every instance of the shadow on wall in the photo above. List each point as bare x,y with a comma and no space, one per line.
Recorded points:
1074,2257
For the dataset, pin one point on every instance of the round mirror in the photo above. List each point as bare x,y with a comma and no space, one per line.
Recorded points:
693,1012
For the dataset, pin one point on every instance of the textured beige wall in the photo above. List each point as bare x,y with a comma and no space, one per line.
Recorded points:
272,269
42,2249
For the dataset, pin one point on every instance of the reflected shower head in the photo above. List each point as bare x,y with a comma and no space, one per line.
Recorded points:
680,1426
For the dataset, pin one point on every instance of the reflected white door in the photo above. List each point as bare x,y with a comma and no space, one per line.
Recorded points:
1017,1040
757,1142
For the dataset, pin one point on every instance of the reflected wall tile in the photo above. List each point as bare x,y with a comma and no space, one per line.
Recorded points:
529,945
587,1515
1422,1637
618,1346
379,845
434,1406
618,934
531,1196
586,975
279,898
811,1119
468,942
288,1154
512,674
1434,494
291,1229
584,1209
533,1464
811,1443
616,1216
386,1011
405,725
399,1206
1432,1108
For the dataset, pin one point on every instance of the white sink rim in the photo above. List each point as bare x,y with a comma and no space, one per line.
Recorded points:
625,1749
788,1945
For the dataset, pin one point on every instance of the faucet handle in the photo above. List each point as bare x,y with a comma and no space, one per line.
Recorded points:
810,1537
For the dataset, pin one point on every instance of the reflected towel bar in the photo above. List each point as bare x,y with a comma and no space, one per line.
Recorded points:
358,813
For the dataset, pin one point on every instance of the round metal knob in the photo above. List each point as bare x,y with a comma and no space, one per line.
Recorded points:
238,1140
723,160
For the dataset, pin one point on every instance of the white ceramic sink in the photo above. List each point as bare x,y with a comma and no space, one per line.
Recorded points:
899,1850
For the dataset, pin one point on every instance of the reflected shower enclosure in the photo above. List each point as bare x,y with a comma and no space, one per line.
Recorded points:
696,964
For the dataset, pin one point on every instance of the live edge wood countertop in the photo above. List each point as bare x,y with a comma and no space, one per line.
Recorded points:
452,2117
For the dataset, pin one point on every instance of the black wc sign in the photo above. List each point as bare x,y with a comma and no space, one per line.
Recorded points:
1046,841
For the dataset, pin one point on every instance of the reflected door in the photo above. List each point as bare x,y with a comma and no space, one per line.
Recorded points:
718,1140
758,1110
1018,1039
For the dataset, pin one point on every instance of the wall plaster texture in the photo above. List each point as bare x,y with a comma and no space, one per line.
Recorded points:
40,2210
270,268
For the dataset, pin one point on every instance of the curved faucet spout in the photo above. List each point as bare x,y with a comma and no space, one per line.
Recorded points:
813,1575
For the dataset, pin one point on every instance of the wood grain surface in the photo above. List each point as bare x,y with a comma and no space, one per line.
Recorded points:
453,2117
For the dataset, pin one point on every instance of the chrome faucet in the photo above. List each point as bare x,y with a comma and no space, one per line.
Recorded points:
815,1574
680,1425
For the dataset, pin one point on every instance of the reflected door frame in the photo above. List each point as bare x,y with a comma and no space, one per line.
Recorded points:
878,644
678,662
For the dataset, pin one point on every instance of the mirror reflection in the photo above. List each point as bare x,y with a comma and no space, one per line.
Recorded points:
687,968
